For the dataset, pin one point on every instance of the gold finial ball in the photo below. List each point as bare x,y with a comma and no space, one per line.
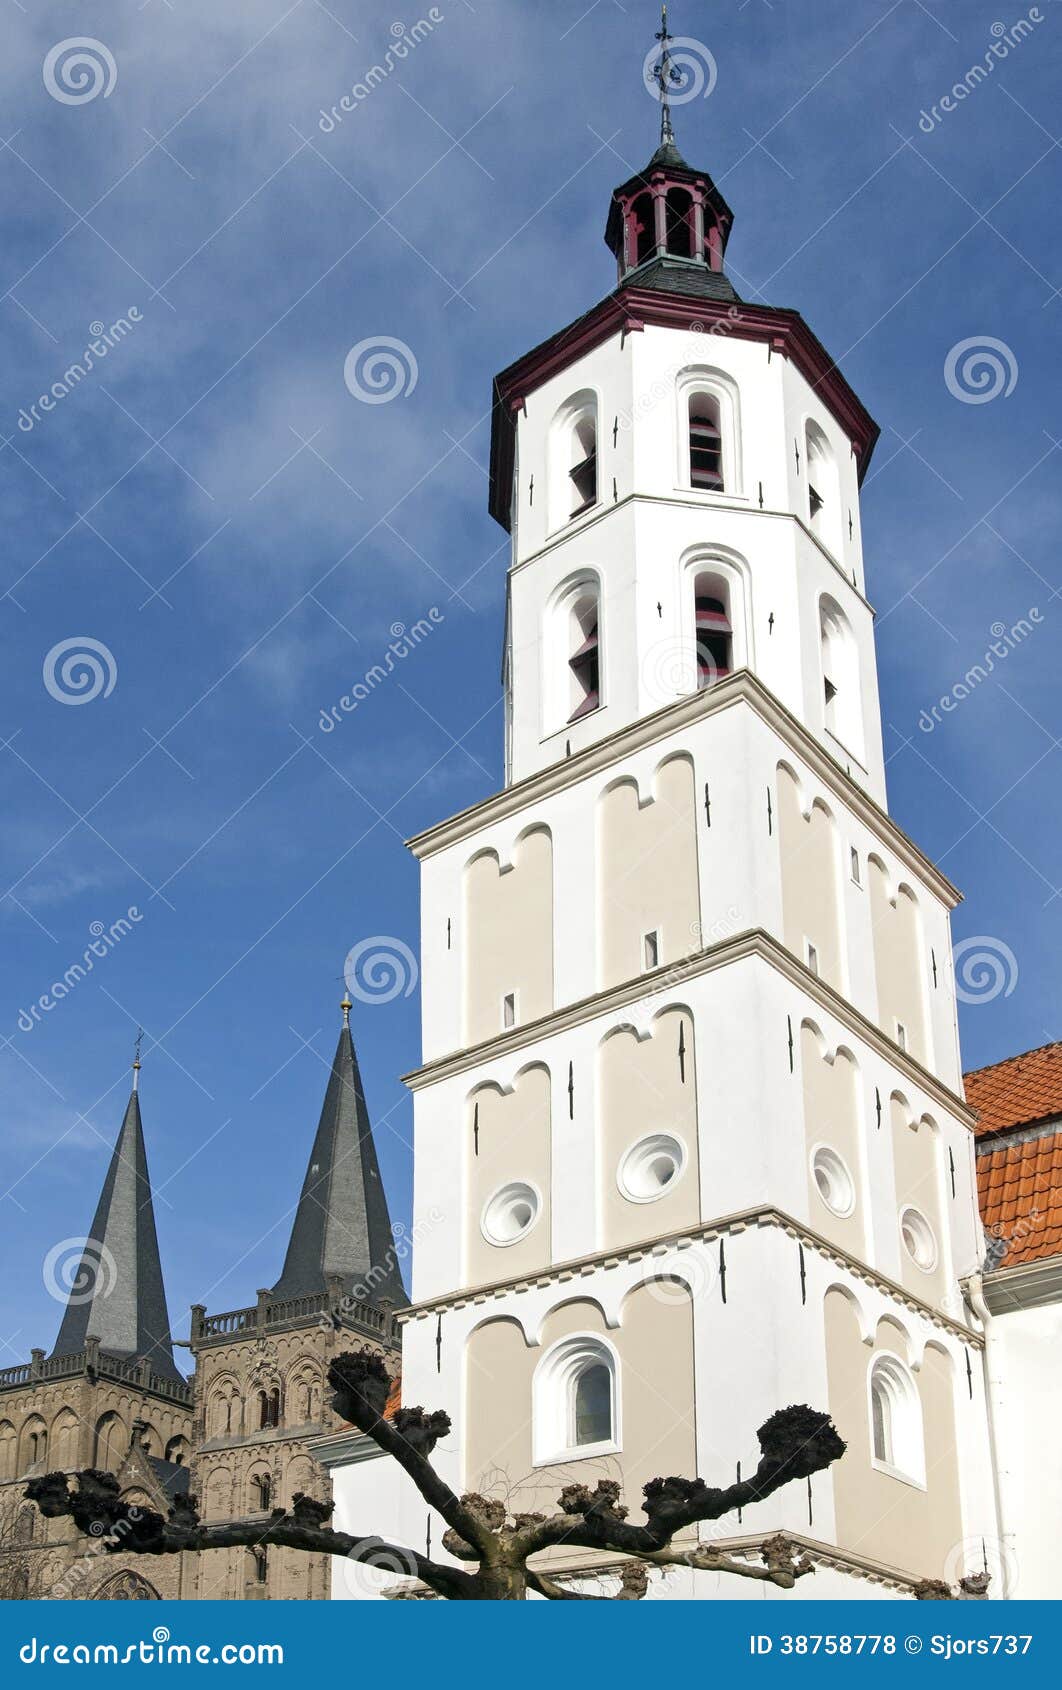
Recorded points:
346,1006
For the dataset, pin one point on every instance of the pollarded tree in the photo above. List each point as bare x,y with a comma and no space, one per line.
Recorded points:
496,1550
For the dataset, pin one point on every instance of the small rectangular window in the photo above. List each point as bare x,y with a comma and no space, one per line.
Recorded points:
812,957
901,1035
509,1010
651,949
856,871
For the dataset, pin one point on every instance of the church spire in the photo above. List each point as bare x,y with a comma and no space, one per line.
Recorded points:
117,1294
342,1228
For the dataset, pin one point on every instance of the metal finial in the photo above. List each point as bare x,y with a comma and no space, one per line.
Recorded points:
136,1056
346,1006
666,76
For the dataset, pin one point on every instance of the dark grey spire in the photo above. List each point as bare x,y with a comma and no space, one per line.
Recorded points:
342,1227
117,1294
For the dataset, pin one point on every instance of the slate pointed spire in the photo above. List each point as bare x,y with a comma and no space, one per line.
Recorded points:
342,1227
117,1294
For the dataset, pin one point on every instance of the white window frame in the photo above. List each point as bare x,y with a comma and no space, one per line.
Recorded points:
811,957
553,1395
510,998
559,515
855,866
653,936
905,1421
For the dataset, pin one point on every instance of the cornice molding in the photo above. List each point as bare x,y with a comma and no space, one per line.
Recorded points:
581,1267
631,308
742,687
669,978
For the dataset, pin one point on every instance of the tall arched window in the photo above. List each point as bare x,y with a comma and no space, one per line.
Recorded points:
261,1493
576,1401
824,488
843,709
584,663
706,442
715,631
896,1420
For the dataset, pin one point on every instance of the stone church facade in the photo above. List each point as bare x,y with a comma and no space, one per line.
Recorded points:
240,1433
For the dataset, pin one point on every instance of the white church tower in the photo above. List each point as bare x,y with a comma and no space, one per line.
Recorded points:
690,1142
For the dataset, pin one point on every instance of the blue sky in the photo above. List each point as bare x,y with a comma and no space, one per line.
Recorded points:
241,532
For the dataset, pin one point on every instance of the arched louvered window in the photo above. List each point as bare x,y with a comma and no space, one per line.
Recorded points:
824,488
706,443
714,627
583,471
584,663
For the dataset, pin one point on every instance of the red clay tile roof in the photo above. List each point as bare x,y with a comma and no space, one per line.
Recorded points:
1019,1187
1022,1089
1019,1181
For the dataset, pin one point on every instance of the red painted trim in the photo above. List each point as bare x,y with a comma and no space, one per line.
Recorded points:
631,308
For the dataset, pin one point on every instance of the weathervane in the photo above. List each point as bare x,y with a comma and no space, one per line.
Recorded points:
136,1056
666,76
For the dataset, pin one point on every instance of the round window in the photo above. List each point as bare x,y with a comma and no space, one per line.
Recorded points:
918,1239
510,1213
651,1167
833,1181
